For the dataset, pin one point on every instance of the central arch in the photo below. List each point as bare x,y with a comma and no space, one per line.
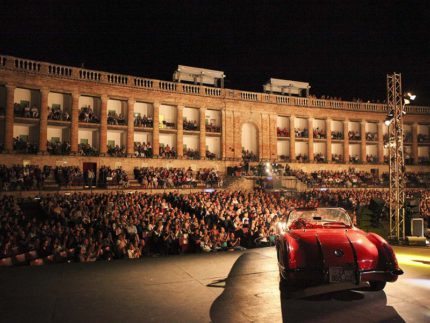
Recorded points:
249,135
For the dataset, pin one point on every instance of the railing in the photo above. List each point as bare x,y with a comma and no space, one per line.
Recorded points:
117,79
248,96
25,65
210,91
190,89
141,82
59,70
89,75
167,86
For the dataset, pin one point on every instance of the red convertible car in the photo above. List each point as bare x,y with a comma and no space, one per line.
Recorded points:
322,247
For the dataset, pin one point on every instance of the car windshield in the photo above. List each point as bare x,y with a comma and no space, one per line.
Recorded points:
318,218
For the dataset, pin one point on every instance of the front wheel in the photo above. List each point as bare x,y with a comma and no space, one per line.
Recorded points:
376,286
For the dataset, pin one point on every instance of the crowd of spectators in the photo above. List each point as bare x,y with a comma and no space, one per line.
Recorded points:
165,151
160,177
302,158
58,148
344,178
284,132
116,119
337,158
336,135
25,111
142,149
88,115
117,151
354,159
21,178
55,113
320,158
212,128
144,121
94,227
191,125
249,156
112,177
66,176
87,150
372,159
210,177
191,154
23,146
301,133
319,133
371,136
210,155
354,135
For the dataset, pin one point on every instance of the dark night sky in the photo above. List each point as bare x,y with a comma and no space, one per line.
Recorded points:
343,48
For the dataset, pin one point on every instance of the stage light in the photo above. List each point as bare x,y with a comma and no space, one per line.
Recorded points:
407,101
388,121
411,96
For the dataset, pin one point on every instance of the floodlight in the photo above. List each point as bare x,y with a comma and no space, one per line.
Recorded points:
411,96
388,120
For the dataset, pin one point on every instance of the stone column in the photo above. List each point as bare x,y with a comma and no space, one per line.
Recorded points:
381,142
130,127
292,139
415,142
8,136
43,126
346,141
273,137
74,129
223,136
237,136
363,142
156,130
202,140
311,139
328,141
103,125
180,133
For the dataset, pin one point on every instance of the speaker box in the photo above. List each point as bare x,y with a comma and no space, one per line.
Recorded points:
417,227
416,241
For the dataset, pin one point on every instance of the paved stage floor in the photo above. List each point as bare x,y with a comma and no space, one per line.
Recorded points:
221,287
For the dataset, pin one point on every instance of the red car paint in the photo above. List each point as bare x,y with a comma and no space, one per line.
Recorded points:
307,252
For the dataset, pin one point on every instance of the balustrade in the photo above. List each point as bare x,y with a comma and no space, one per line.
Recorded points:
146,83
117,79
31,66
59,70
55,70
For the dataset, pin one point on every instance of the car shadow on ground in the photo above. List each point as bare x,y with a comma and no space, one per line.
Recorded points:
251,293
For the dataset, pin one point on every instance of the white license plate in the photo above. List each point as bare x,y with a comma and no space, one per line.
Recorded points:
340,274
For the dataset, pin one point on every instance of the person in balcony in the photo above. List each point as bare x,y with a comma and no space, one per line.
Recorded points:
34,111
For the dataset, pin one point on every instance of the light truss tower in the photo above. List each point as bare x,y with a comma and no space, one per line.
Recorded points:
396,156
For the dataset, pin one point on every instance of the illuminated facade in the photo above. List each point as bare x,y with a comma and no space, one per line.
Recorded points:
43,102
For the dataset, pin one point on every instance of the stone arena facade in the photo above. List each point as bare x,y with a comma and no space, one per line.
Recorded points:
226,122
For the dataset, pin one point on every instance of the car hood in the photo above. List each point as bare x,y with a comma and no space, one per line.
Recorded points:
335,247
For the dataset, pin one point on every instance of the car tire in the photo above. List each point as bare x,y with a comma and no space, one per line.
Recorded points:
376,286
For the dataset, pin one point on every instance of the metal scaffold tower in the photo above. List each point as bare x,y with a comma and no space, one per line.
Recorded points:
396,156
